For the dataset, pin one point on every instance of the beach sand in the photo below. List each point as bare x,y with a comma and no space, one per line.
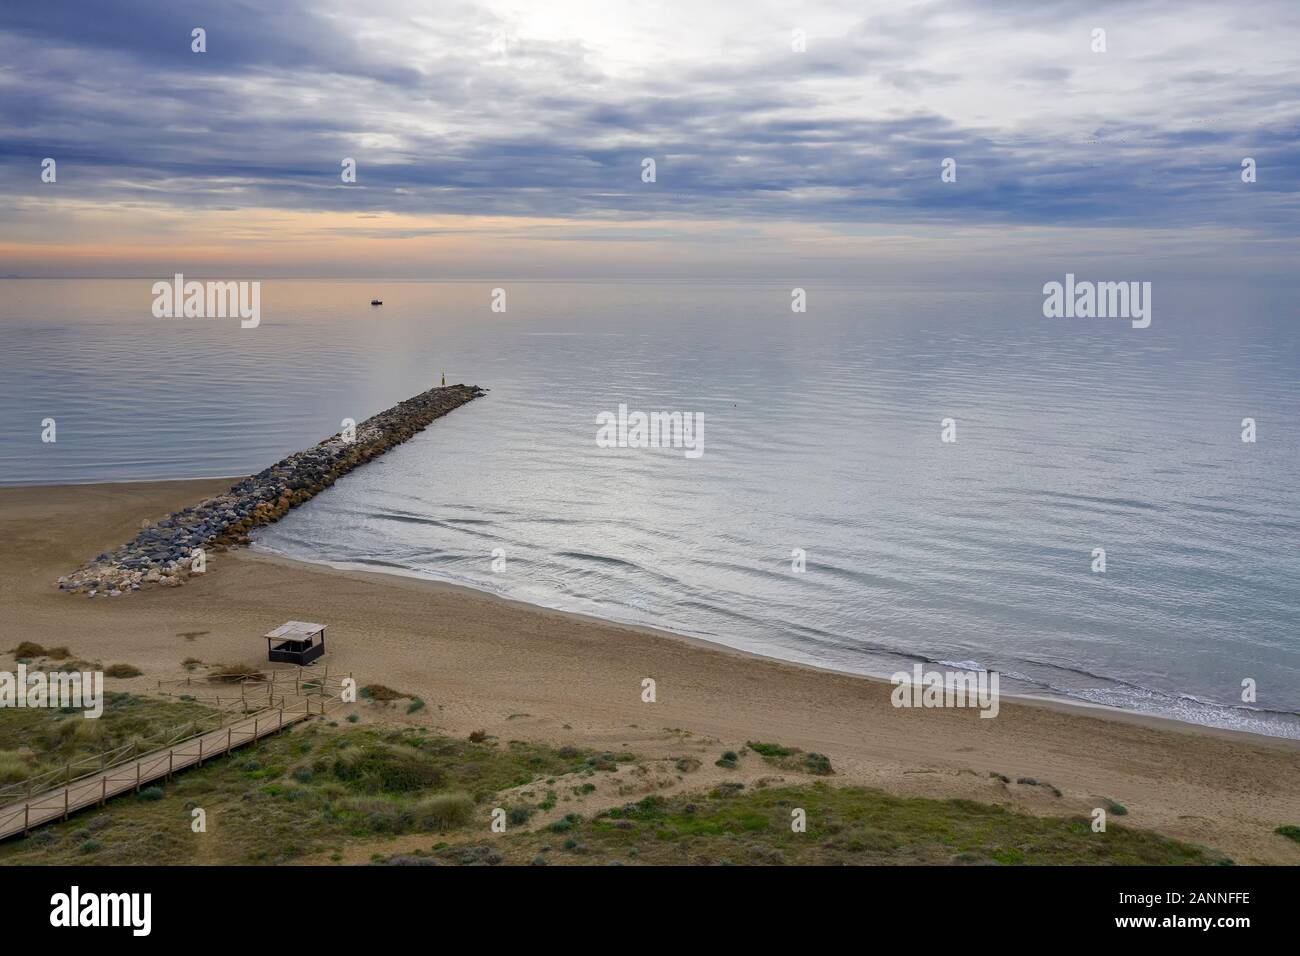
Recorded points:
522,672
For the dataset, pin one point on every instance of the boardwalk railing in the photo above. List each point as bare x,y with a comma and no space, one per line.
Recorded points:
92,780
274,679
245,689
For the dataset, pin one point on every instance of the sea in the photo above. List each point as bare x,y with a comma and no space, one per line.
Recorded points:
895,475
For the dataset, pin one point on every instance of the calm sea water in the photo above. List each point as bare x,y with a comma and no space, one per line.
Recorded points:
822,432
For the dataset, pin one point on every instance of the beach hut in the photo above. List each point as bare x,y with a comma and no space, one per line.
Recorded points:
296,642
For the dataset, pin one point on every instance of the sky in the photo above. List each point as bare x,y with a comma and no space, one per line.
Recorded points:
507,140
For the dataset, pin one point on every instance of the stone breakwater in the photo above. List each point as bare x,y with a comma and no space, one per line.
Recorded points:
169,551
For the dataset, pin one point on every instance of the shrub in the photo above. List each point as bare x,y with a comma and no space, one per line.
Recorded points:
727,761
478,736
792,758
232,673
151,793
378,815
89,731
818,764
605,761
645,807
13,768
122,671
415,705
30,649
442,811
519,815
381,692
1289,831
380,769
569,821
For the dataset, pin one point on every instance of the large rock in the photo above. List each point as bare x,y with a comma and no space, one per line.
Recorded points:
161,553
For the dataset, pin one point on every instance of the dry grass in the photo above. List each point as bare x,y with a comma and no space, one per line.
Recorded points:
232,673
14,768
382,692
30,649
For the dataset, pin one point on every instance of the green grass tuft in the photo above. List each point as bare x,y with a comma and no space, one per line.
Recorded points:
1289,831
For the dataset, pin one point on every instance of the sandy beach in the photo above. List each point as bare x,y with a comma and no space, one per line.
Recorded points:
524,672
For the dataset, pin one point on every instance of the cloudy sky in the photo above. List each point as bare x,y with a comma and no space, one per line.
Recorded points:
506,139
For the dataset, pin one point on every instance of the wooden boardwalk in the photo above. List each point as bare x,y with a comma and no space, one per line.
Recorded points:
56,803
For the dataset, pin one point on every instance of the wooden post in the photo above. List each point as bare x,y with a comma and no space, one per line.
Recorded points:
27,817
137,776
230,731
171,763
67,797
103,795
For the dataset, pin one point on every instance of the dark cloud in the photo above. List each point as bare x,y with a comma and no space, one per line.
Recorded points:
286,90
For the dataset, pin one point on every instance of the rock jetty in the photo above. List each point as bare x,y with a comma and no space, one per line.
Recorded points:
169,551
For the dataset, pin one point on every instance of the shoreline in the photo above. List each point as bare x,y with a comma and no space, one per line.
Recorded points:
1042,699
1064,704
519,671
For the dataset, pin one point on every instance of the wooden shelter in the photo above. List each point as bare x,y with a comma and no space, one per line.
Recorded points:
296,642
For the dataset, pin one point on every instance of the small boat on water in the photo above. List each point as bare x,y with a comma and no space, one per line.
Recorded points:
376,301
